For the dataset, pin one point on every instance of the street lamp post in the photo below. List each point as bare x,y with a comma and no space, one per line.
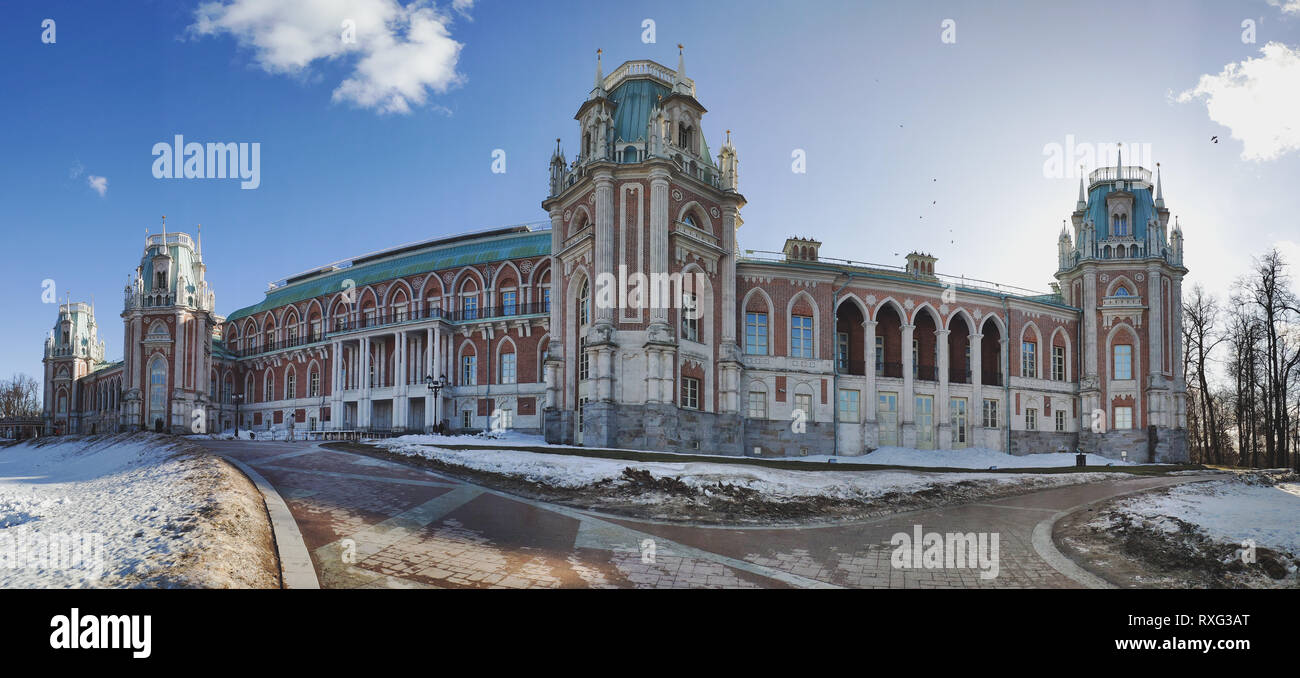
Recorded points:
435,385
238,398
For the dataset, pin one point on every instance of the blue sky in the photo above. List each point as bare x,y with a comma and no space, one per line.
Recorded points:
911,143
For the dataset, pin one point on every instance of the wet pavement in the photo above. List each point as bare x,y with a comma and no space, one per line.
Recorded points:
373,523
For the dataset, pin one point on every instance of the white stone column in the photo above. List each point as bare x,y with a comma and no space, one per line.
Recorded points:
604,241
869,360
659,241
976,385
908,405
944,426
1155,327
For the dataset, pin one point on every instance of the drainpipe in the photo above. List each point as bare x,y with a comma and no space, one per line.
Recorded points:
1006,383
835,369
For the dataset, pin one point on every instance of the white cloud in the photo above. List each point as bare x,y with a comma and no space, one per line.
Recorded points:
400,53
1288,6
1258,100
100,184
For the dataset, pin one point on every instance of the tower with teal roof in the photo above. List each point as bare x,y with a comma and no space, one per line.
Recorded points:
1122,265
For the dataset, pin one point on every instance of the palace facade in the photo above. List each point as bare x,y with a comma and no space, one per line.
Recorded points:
633,319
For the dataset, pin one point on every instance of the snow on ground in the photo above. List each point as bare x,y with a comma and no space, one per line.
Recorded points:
1230,510
114,509
971,457
574,472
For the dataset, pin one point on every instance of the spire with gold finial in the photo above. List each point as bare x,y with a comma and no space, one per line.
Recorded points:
1083,194
679,78
598,89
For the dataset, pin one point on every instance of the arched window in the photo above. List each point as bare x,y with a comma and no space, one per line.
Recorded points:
1123,361
690,221
157,391
313,384
268,388
291,385
1121,291
584,304
509,373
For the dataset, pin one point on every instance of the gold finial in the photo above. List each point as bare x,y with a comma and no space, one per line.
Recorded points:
679,47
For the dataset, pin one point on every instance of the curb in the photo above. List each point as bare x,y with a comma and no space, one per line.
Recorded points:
1046,547
296,569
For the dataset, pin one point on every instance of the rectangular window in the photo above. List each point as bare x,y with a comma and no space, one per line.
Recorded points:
758,404
849,406
880,355
315,330
509,303
584,360
1028,359
801,336
990,418
923,413
842,350
803,402
1058,363
291,387
466,419
756,333
1060,420
691,393
1031,419
293,335
958,418
468,370
1123,362
546,299
690,317
313,385
470,307
1123,418
399,313
887,418
508,372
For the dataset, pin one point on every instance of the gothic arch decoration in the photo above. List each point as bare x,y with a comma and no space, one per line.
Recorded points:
465,349
398,285
704,305
581,218
890,302
543,351
964,315
697,212
505,345
1069,351
1122,281
1026,330
935,316
503,271
158,330
854,299
1117,335
757,300
816,321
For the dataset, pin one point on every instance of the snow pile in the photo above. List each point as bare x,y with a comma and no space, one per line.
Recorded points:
94,511
574,472
486,438
1230,510
972,457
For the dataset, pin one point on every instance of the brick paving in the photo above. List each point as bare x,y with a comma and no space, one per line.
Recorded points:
374,523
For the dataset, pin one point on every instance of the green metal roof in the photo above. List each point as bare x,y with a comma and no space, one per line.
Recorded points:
635,98
435,258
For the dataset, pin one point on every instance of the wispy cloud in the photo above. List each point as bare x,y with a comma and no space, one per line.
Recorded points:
1257,99
400,54
1287,6
99,184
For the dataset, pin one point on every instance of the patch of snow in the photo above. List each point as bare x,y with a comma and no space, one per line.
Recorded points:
1230,509
971,457
125,504
574,472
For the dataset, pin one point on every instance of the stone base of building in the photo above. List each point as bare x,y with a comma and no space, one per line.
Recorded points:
1152,445
777,438
1040,442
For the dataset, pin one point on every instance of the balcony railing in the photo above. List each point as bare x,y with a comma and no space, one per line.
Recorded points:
890,370
958,375
926,373
852,367
991,378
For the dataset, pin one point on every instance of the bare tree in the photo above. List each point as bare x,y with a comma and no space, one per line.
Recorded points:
20,396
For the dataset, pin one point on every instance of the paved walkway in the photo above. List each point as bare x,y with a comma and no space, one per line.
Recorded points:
374,523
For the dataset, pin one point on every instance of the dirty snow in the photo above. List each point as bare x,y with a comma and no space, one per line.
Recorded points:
1230,510
574,472
972,457
118,509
